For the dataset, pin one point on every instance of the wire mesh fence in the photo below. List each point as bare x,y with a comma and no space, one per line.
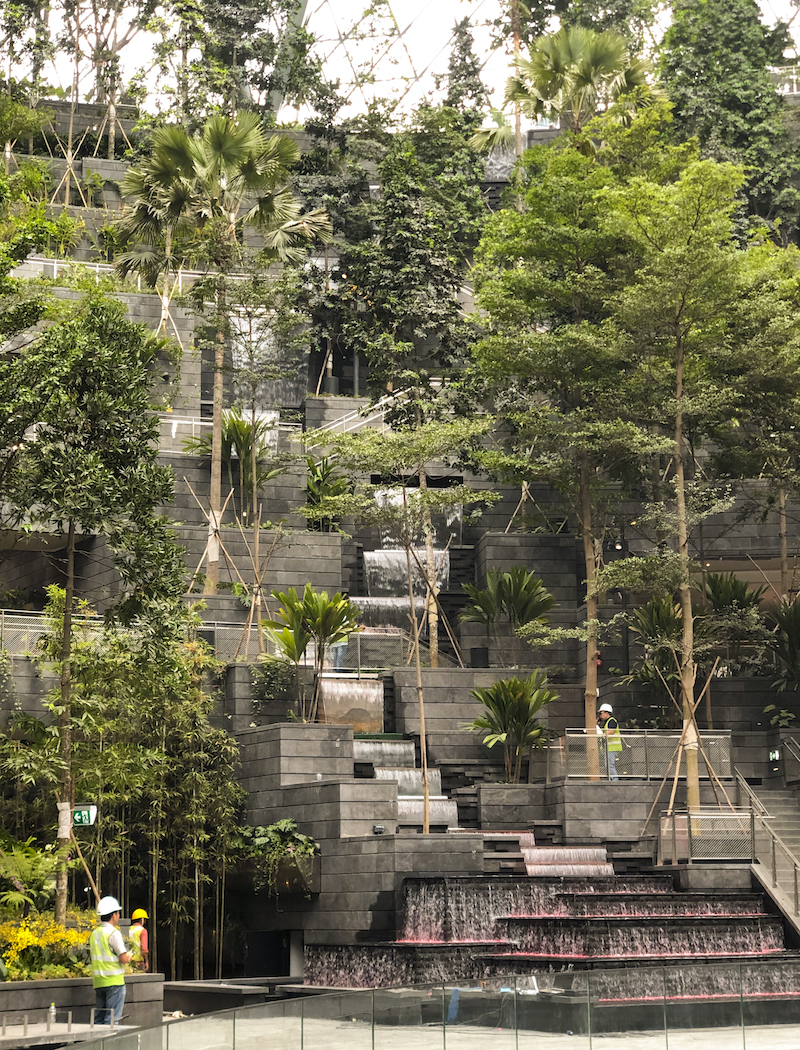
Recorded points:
374,649
706,834
646,755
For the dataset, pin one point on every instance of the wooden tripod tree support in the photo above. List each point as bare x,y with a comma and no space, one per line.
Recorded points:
259,572
432,595
677,754
215,536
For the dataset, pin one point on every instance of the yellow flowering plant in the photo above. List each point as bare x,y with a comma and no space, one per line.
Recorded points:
37,947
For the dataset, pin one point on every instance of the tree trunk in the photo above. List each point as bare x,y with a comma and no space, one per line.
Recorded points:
423,747
785,583
590,562
432,590
688,667
65,749
215,493
516,33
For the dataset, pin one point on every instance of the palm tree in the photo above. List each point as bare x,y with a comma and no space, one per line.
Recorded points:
228,176
312,617
573,73
518,595
513,706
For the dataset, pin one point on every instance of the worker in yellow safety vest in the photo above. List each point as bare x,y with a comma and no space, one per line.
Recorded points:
109,955
608,727
137,939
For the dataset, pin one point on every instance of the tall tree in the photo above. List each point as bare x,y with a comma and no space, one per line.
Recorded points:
214,56
573,73
715,68
551,360
705,318
90,468
228,177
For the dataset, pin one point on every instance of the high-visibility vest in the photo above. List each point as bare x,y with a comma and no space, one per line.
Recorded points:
613,737
107,970
135,934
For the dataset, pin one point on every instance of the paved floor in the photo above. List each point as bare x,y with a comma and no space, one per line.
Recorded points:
289,1034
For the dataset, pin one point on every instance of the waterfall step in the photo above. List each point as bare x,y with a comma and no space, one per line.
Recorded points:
442,812
385,753
583,861
409,780
600,905
642,935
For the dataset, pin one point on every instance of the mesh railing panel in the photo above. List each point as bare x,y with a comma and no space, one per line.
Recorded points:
645,755
367,650
706,836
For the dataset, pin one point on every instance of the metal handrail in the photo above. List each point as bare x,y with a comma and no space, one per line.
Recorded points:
755,801
792,747
361,417
776,843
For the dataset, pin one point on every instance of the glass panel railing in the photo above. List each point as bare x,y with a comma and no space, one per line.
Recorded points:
400,1013
276,1025
486,1006
554,1004
626,1002
747,1005
343,1020
203,1033
770,1003
704,1002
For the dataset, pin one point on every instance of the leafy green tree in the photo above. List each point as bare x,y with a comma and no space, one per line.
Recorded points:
516,595
715,67
227,177
573,73
784,620
513,718
551,360
392,297
316,618
213,56
703,317
403,505
90,467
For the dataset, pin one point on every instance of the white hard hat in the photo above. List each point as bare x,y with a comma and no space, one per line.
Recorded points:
108,905
607,707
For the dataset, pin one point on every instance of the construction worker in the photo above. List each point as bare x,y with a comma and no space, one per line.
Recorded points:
137,938
609,728
109,955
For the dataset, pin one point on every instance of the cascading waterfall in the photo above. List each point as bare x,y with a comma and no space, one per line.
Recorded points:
384,752
352,701
386,572
409,780
387,612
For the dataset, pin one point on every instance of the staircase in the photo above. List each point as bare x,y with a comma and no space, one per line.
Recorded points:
783,807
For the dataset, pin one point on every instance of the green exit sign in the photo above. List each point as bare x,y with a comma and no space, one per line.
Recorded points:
83,816
774,756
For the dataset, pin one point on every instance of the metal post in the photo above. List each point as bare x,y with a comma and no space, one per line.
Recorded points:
689,834
646,758
674,857
3,1030
358,652
796,897
774,862
752,834
91,1018
69,1020
24,1025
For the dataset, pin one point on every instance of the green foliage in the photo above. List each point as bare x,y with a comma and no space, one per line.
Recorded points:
313,617
512,718
275,846
272,677
241,440
27,876
325,481
784,620
516,595
573,73
715,66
